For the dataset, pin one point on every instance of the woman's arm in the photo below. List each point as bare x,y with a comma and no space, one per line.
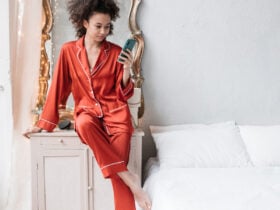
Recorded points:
126,60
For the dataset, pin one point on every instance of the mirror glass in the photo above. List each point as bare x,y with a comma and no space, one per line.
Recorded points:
63,31
57,29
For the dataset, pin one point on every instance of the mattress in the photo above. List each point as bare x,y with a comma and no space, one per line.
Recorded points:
252,188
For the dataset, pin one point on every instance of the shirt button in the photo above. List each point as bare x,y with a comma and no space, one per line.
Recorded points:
96,104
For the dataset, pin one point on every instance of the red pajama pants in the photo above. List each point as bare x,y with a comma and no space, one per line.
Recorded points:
111,153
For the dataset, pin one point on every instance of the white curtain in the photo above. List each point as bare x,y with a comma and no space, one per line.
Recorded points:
5,104
24,20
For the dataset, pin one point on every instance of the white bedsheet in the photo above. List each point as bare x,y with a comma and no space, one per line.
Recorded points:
214,188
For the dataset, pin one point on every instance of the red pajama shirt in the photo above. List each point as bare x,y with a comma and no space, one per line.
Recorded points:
102,116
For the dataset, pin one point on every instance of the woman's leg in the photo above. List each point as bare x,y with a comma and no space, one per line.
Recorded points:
123,197
133,182
112,153
90,131
127,183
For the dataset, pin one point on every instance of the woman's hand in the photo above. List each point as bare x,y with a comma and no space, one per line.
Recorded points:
126,58
31,130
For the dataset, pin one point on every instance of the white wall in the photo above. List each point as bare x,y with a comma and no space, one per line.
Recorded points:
209,61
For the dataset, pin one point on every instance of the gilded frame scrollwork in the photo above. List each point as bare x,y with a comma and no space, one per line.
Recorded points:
44,74
44,71
137,34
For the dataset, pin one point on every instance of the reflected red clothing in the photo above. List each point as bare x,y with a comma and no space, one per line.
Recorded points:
99,92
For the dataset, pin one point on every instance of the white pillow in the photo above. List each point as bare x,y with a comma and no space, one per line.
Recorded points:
166,128
263,144
216,145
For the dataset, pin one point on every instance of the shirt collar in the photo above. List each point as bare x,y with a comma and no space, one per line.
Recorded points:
104,47
82,57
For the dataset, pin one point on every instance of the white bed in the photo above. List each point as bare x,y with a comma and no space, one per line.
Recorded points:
215,167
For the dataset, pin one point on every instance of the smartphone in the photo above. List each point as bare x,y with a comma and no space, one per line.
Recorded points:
129,44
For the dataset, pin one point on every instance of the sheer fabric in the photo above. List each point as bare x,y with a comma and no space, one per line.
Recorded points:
5,104
24,40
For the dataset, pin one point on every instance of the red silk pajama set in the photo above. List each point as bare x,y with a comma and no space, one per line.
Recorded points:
102,116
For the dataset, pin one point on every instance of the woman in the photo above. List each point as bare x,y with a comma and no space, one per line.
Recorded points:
101,85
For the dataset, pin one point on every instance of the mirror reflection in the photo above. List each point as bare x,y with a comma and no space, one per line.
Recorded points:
63,31
57,27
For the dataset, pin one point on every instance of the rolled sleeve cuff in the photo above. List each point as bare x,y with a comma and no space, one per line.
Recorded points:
46,125
113,168
127,91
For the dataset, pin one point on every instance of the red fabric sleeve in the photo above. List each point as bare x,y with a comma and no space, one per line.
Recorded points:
59,91
124,93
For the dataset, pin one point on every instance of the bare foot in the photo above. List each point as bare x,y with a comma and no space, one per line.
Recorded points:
142,199
133,182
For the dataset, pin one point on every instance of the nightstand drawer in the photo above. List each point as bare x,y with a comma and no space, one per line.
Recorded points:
57,139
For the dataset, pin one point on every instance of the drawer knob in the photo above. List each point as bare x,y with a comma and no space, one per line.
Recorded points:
60,140
90,188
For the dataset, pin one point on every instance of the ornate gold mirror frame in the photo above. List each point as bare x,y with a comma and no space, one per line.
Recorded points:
44,75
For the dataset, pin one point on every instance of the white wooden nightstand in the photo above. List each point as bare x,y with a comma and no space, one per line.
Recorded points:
65,175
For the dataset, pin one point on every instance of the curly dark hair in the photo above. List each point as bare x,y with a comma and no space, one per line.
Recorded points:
80,10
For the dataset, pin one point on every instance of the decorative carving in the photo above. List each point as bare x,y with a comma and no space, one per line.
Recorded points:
44,74
136,67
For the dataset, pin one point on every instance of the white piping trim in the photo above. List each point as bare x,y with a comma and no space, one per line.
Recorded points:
48,121
89,80
78,54
116,109
111,164
126,90
106,128
95,69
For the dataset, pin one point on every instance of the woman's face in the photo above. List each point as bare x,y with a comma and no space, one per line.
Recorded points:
98,26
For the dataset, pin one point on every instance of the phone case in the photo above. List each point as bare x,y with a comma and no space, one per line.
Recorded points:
129,44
